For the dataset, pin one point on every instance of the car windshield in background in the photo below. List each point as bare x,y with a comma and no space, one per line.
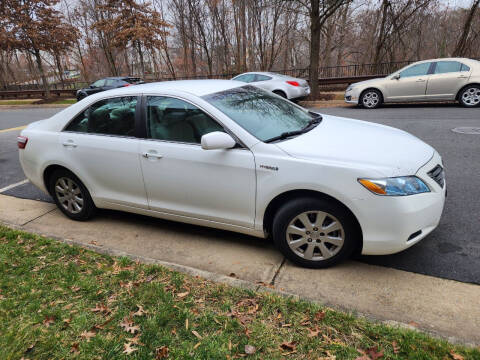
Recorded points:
264,115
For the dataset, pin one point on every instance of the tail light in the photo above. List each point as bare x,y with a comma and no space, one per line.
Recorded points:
126,85
22,142
293,83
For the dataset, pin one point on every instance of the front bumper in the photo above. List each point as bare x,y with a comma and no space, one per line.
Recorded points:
393,224
351,97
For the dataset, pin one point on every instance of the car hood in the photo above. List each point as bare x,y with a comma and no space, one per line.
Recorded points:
373,148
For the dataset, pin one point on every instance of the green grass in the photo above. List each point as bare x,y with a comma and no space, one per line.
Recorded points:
34,102
59,301
18,102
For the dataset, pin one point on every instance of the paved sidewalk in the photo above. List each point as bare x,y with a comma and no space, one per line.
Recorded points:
443,307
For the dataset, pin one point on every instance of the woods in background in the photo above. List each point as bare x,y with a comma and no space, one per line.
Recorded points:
155,39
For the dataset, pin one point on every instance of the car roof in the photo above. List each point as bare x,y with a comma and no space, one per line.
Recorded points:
194,87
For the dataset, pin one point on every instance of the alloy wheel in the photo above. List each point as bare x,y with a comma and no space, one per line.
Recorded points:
471,96
370,99
315,235
69,195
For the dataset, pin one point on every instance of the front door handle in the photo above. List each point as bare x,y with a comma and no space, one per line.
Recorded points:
69,143
420,80
149,155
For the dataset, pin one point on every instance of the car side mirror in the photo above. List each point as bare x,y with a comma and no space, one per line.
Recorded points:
396,77
217,140
92,86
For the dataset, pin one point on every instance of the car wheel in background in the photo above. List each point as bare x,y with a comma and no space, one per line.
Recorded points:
81,97
70,195
371,99
280,93
470,96
314,233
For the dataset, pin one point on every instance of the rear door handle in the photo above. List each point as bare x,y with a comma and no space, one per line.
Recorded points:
150,155
420,80
69,143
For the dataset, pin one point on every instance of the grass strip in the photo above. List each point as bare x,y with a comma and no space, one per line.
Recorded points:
59,301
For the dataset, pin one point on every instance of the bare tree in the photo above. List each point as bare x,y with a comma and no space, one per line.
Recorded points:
462,46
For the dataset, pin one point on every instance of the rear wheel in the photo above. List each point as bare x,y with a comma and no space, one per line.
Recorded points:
470,96
70,195
280,93
371,99
314,233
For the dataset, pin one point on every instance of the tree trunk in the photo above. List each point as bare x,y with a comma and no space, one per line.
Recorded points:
314,47
42,73
60,68
140,54
462,48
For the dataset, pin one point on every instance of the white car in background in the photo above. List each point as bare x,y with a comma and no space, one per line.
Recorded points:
450,79
286,86
232,156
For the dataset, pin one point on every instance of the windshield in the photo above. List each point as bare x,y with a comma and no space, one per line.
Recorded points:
261,113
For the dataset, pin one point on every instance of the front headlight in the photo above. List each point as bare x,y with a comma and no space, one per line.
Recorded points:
350,88
395,186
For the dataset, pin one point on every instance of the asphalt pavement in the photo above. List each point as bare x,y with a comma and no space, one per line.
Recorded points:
452,251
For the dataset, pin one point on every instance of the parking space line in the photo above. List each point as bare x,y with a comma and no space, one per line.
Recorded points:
11,186
12,129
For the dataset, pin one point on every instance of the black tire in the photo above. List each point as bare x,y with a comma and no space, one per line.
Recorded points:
280,93
81,97
334,212
371,99
78,192
470,96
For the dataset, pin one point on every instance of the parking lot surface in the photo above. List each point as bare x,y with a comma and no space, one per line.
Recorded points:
452,251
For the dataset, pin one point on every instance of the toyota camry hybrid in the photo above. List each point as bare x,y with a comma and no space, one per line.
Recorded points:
228,155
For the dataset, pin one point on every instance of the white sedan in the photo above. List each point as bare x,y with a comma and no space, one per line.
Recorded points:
286,86
227,155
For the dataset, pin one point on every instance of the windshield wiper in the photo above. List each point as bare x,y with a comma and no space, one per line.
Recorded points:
311,124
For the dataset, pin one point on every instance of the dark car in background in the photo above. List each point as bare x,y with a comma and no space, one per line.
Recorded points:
107,84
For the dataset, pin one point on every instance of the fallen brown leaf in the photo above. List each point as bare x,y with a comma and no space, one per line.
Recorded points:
250,349
48,320
197,335
101,308
197,345
395,347
140,311
320,315
313,333
290,346
128,349
75,349
456,356
183,294
161,352
128,325
374,353
414,324
135,340
87,335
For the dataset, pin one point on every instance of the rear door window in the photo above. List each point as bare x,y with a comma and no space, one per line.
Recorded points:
246,78
443,67
259,77
114,116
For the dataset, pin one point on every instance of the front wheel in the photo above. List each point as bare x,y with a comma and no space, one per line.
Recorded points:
314,233
71,196
371,99
470,96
